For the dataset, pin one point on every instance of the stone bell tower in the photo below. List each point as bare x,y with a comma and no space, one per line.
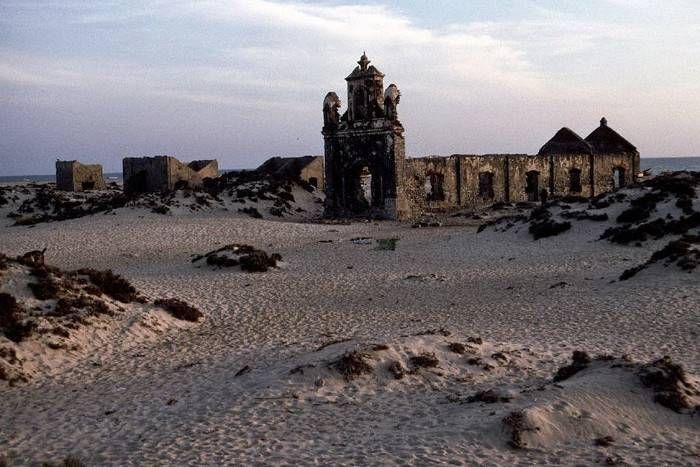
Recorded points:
364,148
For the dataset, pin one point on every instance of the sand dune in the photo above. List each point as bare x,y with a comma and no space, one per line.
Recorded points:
224,391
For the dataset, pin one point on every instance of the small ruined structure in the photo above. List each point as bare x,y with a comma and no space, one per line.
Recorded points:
367,173
165,173
74,176
307,168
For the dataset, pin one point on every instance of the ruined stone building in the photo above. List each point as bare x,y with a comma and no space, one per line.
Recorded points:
74,176
165,173
368,174
307,168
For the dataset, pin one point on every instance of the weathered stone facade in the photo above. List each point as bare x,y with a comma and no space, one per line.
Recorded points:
364,149
74,176
367,143
165,173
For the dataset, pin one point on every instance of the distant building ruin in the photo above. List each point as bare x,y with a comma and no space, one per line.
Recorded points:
368,174
74,176
307,168
165,173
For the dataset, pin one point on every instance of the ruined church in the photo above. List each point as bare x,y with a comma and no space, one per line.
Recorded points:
367,172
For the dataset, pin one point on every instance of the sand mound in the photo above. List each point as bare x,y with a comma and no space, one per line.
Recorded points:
664,207
661,206
247,193
514,396
50,318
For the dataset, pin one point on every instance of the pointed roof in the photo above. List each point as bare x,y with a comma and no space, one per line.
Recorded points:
566,141
605,140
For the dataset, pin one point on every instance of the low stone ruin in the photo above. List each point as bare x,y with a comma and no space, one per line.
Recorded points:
74,176
161,174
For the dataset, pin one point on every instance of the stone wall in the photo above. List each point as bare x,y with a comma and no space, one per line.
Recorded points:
471,169
74,176
431,184
604,166
561,171
314,171
165,173
520,166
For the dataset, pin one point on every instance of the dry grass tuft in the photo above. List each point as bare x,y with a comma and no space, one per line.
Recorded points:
179,309
352,365
112,285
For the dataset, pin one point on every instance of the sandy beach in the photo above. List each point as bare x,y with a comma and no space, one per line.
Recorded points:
253,382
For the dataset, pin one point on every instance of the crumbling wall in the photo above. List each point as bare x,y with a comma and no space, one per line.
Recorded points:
471,168
74,176
145,174
165,173
519,166
314,173
561,171
308,168
604,166
431,184
191,175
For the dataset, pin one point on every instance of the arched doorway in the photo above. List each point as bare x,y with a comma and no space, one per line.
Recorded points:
366,185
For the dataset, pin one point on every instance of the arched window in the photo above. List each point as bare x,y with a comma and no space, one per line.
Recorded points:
575,180
486,185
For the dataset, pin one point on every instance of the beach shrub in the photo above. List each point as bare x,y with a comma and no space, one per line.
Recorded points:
669,382
457,347
518,424
111,284
251,211
396,369
424,360
70,305
579,361
258,261
488,397
352,365
548,228
11,319
179,309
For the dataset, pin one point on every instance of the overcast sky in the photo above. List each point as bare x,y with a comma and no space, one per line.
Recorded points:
244,80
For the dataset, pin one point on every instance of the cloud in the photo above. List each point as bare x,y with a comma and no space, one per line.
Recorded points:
261,68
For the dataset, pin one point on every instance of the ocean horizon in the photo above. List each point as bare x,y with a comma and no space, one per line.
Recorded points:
656,164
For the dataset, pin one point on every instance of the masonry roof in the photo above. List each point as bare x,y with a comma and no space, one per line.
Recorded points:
566,141
605,140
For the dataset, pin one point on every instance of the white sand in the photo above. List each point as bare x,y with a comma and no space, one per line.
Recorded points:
177,401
